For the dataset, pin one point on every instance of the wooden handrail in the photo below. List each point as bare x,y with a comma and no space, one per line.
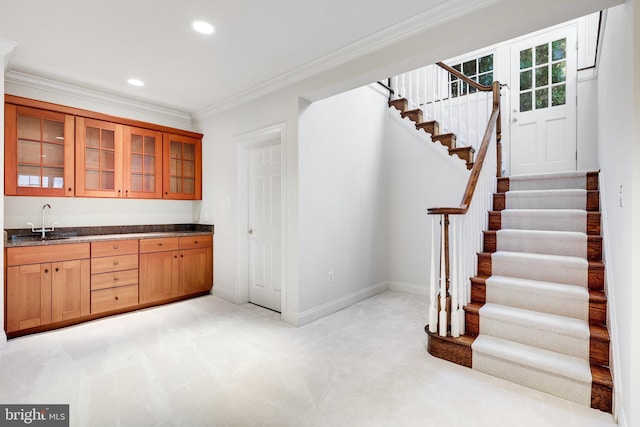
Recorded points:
494,123
464,78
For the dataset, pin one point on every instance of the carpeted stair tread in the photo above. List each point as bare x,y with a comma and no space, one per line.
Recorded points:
545,297
547,331
548,181
539,359
546,199
568,243
566,270
545,219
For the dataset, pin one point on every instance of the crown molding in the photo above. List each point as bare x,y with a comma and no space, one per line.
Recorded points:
177,119
394,34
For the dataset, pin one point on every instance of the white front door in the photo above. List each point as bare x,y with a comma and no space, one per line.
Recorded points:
543,121
265,195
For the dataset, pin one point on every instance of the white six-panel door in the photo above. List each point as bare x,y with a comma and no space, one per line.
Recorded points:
265,275
543,99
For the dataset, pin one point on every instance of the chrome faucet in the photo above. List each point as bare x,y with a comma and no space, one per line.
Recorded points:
43,230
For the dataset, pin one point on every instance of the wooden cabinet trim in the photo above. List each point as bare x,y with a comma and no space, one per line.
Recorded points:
114,247
161,244
47,253
18,100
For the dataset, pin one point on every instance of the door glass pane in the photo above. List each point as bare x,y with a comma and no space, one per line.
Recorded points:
526,103
28,176
454,89
189,152
52,154
175,167
486,79
559,49
188,169
92,158
149,145
52,131
542,54
28,128
106,181
174,185
149,183
542,76
559,72
485,64
136,182
526,58
175,150
93,137
558,95
108,139
107,159
136,144
149,163
136,163
542,98
28,152
469,68
189,186
92,180
53,177
525,80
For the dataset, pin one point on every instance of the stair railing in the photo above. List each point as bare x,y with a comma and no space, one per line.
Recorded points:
461,228
459,104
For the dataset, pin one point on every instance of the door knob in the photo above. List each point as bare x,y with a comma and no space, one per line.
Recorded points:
250,231
515,119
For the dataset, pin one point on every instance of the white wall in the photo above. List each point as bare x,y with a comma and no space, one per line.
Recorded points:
343,206
618,154
420,174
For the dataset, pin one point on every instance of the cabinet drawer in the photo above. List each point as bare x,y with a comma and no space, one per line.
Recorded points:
114,298
47,253
114,247
113,279
114,263
159,245
196,242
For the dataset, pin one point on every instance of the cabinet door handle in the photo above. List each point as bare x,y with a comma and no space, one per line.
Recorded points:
196,242
115,279
182,256
160,244
115,246
57,269
115,262
175,256
46,270
116,298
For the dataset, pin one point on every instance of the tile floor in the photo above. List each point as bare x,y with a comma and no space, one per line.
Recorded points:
206,362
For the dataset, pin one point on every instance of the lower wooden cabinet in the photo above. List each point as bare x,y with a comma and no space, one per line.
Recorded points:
173,267
49,284
39,293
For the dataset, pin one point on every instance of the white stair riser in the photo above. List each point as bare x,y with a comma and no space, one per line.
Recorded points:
567,244
540,301
531,336
556,385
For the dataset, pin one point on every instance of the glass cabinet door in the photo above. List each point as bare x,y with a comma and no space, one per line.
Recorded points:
142,163
39,152
98,158
182,167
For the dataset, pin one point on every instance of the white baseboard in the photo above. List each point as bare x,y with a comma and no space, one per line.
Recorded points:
409,288
338,304
3,340
225,294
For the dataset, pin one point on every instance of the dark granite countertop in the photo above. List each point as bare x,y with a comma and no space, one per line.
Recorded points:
64,235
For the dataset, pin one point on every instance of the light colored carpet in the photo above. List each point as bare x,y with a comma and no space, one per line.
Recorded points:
568,243
546,199
549,181
545,219
206,362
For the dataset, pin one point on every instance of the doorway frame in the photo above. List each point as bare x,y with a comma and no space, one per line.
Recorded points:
265,137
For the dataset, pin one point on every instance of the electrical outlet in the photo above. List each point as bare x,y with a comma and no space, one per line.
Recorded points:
331,276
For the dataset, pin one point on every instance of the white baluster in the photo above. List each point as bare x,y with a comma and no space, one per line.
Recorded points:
433,310
453,285
443,282
463,278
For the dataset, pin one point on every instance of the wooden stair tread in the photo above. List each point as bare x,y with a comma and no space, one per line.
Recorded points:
601,375
599,332
597,296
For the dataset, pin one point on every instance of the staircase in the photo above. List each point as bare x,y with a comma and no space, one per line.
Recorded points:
433,128
537,315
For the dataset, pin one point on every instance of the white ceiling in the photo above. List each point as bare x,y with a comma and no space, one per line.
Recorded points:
258,45
99,45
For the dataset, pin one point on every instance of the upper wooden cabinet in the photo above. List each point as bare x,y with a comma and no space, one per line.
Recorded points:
98,158
39,152
182,170
113,157
142,163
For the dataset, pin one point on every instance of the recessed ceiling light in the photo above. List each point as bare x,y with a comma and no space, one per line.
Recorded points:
203,27
135,82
